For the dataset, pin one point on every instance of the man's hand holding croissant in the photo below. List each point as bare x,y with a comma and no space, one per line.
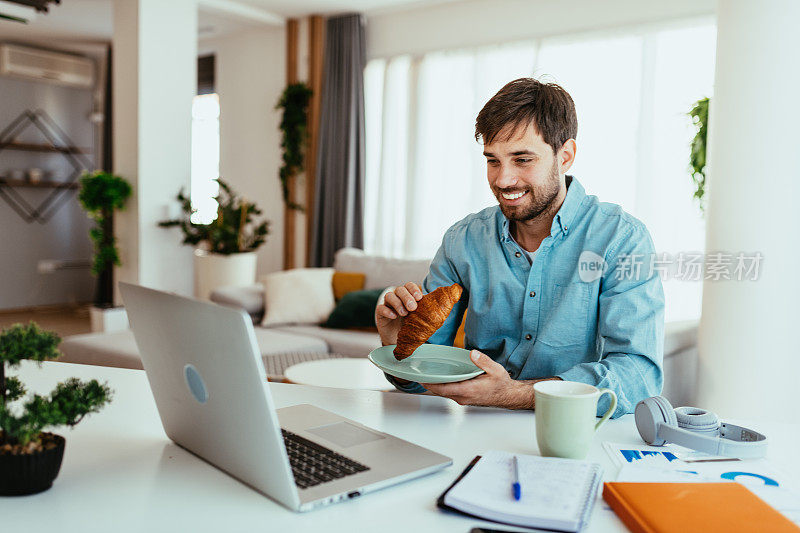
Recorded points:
389,314
396,305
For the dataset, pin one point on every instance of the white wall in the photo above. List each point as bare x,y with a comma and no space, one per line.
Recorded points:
251,74
66,235
482,22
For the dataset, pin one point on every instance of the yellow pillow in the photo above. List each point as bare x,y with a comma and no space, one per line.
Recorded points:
459,340
344,282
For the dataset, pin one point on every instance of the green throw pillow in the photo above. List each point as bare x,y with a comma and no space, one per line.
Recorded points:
355,310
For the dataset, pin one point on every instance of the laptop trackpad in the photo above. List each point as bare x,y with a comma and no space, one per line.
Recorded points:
345,434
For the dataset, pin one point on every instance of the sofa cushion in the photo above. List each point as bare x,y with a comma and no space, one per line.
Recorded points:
248,297
118,349
298,296
680,377
381,271
680,335
347,342
272,342
355,310
347,282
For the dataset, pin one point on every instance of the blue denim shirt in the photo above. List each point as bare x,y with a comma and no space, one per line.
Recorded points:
590,307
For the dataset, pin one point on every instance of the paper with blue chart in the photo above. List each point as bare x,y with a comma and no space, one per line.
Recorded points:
644,455
675,464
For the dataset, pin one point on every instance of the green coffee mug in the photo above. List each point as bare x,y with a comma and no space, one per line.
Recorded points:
566,417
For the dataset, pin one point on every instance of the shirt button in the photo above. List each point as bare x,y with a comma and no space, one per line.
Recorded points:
528,337
533,293
518,254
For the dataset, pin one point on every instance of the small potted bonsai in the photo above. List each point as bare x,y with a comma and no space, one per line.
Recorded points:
29,457
225,248
101,194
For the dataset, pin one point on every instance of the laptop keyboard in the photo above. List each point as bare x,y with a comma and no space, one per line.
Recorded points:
313,464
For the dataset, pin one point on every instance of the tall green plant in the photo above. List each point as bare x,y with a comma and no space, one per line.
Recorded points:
697,159
294,128
101,194
235,229
66,405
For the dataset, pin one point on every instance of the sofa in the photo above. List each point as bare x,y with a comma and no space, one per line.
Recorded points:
280,346
380,273
284,345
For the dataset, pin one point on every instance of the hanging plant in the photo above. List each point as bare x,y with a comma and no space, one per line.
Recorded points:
294,128
697,160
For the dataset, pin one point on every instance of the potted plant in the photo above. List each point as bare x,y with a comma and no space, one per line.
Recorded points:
30,458
225,251
100,195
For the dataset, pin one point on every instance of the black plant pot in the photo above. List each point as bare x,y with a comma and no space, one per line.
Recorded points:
31,473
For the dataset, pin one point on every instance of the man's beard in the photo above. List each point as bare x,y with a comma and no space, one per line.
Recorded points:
540,200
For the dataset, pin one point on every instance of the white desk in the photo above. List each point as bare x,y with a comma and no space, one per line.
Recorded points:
121,473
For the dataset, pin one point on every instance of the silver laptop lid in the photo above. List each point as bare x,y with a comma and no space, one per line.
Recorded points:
201,359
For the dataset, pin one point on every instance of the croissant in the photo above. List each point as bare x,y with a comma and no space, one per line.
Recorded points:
430,314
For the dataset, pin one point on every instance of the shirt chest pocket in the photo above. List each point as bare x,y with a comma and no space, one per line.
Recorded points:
566,321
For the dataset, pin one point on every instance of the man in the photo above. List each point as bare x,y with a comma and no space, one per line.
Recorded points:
557,285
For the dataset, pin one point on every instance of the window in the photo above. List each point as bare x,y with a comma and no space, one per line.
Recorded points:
205,157
632,90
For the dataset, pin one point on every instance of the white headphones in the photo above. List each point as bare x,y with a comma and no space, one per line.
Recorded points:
698,429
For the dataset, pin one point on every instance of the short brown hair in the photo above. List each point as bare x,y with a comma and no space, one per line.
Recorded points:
526,100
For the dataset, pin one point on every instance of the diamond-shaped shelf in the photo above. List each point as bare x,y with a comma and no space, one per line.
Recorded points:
59,142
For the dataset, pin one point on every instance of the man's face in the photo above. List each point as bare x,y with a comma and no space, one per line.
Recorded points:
523,173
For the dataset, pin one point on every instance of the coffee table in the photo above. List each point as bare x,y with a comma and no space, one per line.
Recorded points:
346,373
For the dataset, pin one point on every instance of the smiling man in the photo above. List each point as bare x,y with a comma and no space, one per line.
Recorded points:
557,285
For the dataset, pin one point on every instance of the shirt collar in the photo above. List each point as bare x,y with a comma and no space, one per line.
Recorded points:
564,216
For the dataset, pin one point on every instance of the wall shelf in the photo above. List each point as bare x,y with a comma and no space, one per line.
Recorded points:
58,142
44,184
29,147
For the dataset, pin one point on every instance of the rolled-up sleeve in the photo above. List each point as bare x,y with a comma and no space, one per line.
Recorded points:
411,387
631,324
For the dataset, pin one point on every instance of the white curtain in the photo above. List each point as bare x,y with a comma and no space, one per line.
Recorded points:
632,92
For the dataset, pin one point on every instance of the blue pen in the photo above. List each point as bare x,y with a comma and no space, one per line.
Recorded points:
516,486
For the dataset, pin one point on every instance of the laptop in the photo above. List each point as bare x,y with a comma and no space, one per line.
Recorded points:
210,387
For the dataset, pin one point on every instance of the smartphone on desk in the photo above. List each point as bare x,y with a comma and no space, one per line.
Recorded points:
487,530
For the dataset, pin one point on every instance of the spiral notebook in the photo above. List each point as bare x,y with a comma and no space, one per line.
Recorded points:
556,493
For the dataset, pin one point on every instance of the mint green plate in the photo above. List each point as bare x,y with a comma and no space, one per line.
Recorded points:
430,363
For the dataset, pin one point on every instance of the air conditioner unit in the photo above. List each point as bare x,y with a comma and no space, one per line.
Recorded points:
43,65
17,12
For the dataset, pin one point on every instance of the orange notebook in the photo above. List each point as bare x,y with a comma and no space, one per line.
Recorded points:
690,507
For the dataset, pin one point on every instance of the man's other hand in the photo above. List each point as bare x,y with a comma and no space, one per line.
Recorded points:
495,388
